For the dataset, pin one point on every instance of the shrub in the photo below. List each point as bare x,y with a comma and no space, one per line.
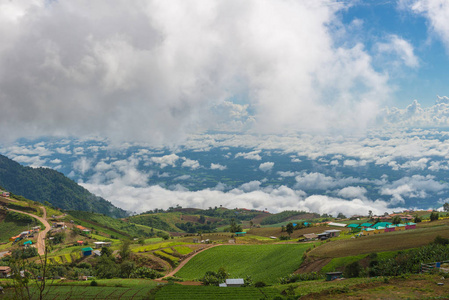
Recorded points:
94,283
260,284
352,270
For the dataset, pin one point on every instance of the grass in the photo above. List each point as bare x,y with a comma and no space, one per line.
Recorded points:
340,262
175,292
167,257
262,262
9,229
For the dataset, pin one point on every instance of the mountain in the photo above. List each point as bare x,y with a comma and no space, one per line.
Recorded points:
43,184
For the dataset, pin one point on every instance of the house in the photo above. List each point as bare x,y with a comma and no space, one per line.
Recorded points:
240,233
410,225
353,225
369,231
87,251
97,252
5,271
102,244
27,244
390,228
379,229
80,243
309,237
381,224
59,224
366,225
5,194
237,282
333,232
323,236
400,227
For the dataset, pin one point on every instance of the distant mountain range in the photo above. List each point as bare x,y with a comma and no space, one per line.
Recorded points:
43,184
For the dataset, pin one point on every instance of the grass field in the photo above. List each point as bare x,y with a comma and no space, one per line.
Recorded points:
262,262
390,241
157,246
9,229
175,292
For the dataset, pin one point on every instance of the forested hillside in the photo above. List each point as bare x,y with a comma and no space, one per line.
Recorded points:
43,184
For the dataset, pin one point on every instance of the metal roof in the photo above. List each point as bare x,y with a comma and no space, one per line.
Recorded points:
235,281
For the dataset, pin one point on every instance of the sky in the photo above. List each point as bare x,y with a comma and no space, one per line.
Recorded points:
157,71
172,74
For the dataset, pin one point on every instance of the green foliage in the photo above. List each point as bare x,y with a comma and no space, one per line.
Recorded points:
352,270
446,206
214,278
145,272
106,268
24,253
410,261
58,238
289,228
441,240
396,220
93,283
234,227
262,262
19,218
152,221
291,278
417,219
44,184
434,216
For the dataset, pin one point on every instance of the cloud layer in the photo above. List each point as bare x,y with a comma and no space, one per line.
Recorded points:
154,70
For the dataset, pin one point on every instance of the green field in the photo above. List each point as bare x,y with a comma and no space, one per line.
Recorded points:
262,262
175,292
106,289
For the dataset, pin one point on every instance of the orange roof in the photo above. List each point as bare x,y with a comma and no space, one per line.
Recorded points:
80,227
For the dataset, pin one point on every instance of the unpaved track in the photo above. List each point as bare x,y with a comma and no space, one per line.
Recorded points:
182,264
42,233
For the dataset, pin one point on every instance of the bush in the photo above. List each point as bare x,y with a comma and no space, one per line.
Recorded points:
352,270
434,216
441,240
145,272
260,284
94,283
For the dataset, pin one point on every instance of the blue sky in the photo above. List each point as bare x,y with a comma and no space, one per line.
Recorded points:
384,18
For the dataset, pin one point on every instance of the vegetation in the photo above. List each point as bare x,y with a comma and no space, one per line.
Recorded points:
242,260
44,184
282,216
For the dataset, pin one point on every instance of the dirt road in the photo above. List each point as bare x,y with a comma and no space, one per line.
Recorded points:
42,233
172,273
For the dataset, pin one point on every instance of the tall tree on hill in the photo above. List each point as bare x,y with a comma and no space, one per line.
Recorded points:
446,206
289,228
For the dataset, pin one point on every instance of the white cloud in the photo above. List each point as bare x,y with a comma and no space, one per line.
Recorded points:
32,161
266,166
190,163
401,48
436,12
250,155
352,192
56,161
217,167
322,182
82,165
176,73
166,160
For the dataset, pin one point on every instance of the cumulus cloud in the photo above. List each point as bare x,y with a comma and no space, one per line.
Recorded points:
82,165
217,167
166,160
352,192
190,163
152,70
319,181
266,166
250,155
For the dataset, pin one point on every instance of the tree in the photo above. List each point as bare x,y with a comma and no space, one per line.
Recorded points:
396,220
125,251
434,216
106,251
234,227
202,219
126,268
251,224
352,270
370,213
289,228
446,206
341,216
417,219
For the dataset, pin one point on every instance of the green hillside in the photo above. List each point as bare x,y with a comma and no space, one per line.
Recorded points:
43,184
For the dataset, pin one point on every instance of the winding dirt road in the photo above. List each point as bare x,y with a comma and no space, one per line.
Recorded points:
41,235
172,273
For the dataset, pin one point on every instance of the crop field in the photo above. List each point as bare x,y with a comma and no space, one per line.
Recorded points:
183,250
174,292
262,262
157,246
389,241
9,229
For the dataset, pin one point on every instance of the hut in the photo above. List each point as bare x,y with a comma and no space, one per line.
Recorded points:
237,282
366,225
5,271
309,237
27,243
240,233
333,275
87,251
333,232
379,229
102,244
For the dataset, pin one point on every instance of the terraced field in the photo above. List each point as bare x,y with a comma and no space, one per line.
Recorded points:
262,262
